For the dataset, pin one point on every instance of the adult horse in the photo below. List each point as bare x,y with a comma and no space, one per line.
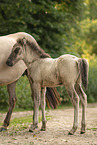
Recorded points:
10,75
67,70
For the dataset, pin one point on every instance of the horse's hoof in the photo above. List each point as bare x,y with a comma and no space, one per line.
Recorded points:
2,128
70,133
82,132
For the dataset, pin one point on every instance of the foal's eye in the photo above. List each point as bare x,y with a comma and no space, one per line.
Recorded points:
16,50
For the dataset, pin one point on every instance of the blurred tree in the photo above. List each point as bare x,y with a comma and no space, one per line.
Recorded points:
83,35
92,9
90,34
46,20
89,26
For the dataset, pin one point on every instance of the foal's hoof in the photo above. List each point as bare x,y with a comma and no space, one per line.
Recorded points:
70,133
82,132
43,129
32,128
2,128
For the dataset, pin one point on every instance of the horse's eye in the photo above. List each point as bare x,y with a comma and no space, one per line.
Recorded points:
16,50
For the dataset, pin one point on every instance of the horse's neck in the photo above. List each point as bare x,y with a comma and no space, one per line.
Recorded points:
30,56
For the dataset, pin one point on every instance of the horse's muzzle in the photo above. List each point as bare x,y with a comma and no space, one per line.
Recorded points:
9,63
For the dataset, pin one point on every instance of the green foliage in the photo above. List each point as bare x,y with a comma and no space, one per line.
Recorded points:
63,94
92,85
23,94
3,97
46,20
92,9
91,36
87,37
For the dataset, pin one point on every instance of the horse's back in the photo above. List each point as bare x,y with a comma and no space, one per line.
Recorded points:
21,35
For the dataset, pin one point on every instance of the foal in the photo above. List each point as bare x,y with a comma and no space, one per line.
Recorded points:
67,70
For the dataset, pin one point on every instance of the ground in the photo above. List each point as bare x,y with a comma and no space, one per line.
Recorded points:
58,126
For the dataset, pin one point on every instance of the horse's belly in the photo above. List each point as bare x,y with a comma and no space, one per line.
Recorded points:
11,74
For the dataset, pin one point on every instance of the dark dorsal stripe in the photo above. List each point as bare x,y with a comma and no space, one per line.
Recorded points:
35,47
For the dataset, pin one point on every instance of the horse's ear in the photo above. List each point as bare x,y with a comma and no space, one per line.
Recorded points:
23,41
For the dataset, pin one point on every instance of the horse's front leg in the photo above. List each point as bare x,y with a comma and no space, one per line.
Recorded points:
75,102
36,97
43,92
12,101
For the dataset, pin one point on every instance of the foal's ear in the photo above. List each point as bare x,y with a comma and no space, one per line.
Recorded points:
23,41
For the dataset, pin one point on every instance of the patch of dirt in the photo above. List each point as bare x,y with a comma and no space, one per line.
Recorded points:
57,129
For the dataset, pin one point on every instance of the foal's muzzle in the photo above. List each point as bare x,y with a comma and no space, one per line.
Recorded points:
9,63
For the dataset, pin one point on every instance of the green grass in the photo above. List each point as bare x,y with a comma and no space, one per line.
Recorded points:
94,129
22,123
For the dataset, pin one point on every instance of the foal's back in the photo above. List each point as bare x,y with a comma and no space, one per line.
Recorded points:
54,72
68,69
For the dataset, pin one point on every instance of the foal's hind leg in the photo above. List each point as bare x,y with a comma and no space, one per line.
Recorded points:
43,92
83,98
75,101
12,101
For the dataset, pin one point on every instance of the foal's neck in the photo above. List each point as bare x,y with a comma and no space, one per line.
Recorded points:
30,56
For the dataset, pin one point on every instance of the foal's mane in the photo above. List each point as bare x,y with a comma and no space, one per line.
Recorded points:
35,47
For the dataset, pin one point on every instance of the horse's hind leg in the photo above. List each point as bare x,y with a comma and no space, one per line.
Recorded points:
43,92
75,101
12,101
83,98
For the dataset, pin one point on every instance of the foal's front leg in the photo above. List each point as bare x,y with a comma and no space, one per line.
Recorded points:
43,92
36,96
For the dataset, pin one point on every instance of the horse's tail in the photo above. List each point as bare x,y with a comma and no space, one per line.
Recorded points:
52,97
84,67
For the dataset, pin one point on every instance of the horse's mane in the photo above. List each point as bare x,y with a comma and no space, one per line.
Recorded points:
35,47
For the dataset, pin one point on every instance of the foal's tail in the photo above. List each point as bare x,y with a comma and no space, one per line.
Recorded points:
84,67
